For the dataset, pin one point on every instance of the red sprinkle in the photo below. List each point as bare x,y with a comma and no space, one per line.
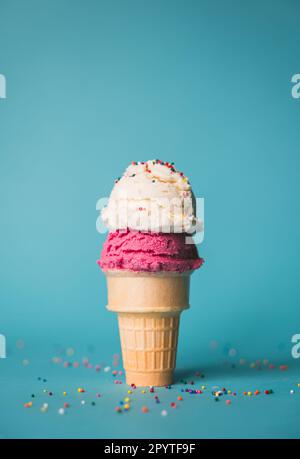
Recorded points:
283,367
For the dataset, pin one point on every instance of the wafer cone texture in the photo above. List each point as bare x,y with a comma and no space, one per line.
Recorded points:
148,308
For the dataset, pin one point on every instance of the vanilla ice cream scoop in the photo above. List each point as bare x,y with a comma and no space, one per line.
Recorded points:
151,196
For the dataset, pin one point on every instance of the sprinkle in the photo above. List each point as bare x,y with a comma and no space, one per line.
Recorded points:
66,405
256,392
82,402
64,394
97,368
298,384
126,406
28,405
173,404
179,398
142,391
44,408
283,367
130,391
249,393
126,399
292,391
164,413
93,403
98,395
80,390
50,393
118,409
228,402
61,411
145,409
151,389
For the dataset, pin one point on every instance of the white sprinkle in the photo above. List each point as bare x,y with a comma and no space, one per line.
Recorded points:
61,411
292,391
164,413
107,369
82,402
44,407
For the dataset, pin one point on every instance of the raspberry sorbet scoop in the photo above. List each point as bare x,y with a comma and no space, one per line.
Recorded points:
149,252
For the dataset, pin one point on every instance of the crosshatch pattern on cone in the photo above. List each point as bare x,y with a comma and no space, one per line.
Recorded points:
149,342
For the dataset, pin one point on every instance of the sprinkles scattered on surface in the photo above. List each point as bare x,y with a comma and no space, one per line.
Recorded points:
174,396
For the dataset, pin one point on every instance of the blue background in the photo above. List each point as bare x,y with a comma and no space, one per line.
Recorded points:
93,85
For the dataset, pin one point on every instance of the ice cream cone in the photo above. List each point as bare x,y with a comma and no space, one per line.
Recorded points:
148,307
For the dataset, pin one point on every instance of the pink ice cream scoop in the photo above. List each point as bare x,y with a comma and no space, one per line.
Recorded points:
149,252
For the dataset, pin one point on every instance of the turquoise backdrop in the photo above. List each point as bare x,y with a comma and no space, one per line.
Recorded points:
93,85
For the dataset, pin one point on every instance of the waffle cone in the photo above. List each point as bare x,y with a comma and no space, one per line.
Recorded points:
148,308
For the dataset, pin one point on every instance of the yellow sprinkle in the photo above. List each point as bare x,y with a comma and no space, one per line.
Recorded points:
129,392
229,392
203,387
64,393
126,406
298,384
127,399
249,393
143,391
